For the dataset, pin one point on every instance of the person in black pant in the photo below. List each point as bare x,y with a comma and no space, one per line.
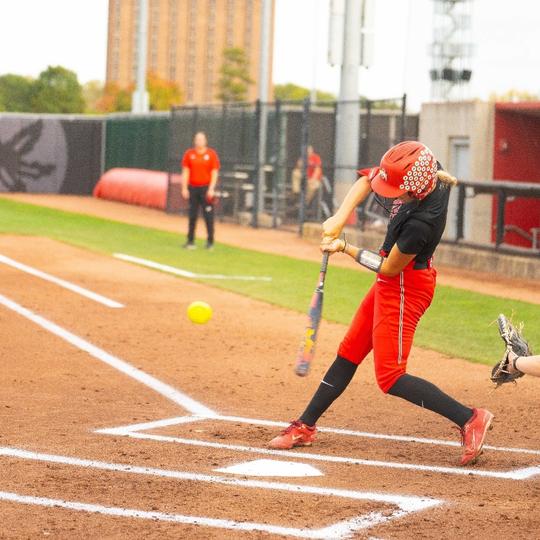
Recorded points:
403,289
200,166
198,198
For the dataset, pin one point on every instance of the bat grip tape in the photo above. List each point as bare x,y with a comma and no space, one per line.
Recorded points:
324,263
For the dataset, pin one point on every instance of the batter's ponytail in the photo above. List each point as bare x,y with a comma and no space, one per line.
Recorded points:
446,178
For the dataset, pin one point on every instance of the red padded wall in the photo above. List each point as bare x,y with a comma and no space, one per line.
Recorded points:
517,158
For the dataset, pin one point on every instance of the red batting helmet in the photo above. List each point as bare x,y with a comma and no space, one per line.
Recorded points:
409,166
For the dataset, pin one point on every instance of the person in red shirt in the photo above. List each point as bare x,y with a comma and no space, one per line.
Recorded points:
200,166
313,173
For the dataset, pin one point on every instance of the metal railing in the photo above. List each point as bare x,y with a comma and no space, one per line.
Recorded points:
503,191
373,214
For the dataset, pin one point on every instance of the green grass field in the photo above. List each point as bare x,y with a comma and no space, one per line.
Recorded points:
459,322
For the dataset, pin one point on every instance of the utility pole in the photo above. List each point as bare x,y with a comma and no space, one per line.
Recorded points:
314,50
348,109
264,80
139,99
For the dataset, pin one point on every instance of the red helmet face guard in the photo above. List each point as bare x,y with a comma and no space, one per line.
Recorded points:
408,167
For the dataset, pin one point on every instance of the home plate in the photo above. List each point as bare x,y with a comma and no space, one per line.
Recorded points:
271,467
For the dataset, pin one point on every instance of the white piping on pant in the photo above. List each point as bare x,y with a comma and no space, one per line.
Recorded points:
401,310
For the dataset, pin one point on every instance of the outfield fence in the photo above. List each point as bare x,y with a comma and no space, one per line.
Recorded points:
262,183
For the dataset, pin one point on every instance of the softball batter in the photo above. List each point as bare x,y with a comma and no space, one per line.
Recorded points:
387,317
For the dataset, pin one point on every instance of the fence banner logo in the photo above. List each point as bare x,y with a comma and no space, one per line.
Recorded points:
33,155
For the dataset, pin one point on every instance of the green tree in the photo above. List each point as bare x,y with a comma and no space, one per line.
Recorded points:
163,94
15,93
294,92
92,94
114,99
515,95
57,90
234,81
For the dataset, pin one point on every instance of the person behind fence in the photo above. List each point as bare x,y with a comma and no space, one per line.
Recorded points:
200,166
313,174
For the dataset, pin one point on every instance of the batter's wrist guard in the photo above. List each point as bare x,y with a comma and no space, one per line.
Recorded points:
371,260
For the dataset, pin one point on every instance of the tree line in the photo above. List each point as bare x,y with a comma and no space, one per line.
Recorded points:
58,90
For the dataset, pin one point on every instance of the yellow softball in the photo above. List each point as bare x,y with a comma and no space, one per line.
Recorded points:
199,312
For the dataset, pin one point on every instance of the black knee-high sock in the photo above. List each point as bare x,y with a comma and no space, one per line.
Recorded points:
337,378
427,395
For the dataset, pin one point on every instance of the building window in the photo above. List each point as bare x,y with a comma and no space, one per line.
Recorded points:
154,32
173,38
210,51
229,29
191,43
115,68
248,35
190,91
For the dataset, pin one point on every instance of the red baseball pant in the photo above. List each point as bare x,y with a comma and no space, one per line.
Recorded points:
386,321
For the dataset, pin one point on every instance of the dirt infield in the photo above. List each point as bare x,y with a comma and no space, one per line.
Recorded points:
268,240
211,395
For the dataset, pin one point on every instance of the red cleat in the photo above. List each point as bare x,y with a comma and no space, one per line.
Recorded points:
473,435
297,434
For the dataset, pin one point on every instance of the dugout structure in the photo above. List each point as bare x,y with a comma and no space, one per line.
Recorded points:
493,149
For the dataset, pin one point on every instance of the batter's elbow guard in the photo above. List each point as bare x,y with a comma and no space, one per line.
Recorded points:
371,260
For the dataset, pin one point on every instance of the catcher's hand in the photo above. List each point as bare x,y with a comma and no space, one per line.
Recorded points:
516,344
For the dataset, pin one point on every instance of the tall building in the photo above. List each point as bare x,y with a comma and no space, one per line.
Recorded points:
186,39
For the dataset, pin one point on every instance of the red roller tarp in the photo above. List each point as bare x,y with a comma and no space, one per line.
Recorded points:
135,186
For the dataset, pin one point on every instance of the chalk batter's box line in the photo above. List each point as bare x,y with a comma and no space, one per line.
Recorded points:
135,431
185,273
272,423
340,530
65,284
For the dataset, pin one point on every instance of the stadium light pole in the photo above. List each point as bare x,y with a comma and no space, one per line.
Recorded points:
348,110
314,50
264,81
139,99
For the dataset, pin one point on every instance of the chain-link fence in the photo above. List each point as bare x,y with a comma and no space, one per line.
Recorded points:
137,141
278,166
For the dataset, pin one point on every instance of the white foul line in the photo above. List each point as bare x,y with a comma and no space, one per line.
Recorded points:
338,531
185,273
405,504
518,474
60,282
164,389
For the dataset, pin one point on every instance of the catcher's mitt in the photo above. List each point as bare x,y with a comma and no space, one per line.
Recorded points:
515,343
